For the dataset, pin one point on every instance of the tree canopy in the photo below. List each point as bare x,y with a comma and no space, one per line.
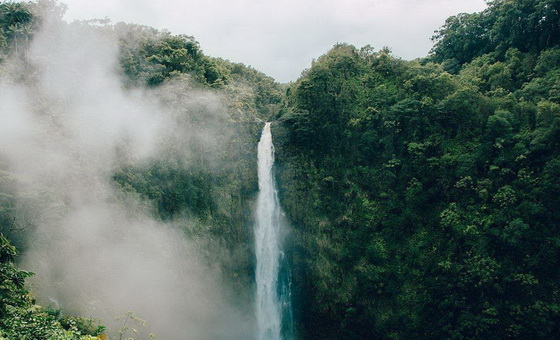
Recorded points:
423,193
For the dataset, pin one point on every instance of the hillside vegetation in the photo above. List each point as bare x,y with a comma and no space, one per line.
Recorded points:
203,182
424,193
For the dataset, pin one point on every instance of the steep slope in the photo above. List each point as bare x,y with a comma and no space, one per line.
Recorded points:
424,203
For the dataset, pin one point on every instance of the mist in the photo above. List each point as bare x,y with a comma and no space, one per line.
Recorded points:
97,251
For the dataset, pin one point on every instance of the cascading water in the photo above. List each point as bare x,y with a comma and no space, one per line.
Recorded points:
273,297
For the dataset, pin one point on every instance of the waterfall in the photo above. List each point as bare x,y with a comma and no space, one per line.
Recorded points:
273,296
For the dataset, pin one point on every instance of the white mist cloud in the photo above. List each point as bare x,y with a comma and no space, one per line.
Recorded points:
94,251
79,67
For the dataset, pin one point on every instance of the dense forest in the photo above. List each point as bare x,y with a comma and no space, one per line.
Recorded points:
421,194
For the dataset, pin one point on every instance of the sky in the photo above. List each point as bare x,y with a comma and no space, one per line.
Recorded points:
282,37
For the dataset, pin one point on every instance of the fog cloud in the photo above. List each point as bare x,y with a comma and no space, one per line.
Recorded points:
96,251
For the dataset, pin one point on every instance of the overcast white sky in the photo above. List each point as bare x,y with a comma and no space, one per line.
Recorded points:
282,37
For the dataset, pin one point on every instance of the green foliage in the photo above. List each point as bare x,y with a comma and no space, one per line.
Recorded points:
424,201
531,26
462,38
82,325
20,318
252,93
149,56
16,24
20,20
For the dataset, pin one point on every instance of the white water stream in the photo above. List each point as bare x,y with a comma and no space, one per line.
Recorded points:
273,296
